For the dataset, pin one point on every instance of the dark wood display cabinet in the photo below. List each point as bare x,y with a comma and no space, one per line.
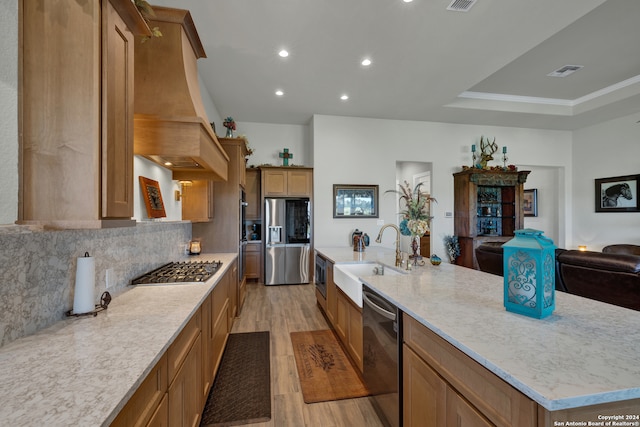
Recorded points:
487,208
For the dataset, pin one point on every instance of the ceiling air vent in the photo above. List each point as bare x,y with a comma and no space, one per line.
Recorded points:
565,71
461,5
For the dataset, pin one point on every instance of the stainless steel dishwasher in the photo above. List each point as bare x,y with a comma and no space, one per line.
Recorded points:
382,361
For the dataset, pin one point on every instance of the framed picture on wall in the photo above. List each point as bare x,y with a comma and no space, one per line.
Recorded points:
617,194
355,201
530,202
152,198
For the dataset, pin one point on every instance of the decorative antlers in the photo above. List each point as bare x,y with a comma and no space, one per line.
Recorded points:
488,149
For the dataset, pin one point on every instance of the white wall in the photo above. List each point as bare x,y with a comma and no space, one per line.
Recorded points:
268,140
9,112
364,151
605,150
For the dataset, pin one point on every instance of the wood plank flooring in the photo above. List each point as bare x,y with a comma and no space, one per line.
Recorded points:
281,310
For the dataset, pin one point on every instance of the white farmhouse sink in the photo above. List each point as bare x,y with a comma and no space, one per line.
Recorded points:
346,277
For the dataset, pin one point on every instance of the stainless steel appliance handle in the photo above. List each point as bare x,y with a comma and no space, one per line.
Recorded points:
379,310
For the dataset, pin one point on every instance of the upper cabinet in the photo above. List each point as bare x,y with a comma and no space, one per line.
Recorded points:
287,181
76,117
171,124
488,207
252,188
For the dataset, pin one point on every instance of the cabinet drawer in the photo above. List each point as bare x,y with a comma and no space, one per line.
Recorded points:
181,346
502,404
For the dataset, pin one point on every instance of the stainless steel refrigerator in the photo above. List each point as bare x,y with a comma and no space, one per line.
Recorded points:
287,242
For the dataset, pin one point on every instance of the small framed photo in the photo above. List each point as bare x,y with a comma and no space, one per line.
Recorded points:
152,197
617,194
355,201
530,202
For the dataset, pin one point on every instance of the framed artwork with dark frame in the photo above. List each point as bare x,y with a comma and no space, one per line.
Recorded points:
355,201
530,202
618,194
152,197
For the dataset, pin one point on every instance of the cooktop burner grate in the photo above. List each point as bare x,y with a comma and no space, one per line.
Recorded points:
180,272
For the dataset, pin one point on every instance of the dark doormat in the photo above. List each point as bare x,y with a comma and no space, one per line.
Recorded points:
324,369
241,392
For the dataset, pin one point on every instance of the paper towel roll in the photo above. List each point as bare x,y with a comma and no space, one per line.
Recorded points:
84,296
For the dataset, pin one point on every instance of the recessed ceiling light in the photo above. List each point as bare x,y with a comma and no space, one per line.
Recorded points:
344,97
279,93
407,1
366,62
283,53
168,163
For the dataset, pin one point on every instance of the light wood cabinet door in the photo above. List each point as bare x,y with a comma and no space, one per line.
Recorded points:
76,121
462,413
161,417
354,343
300,182
253,261
424,393
185,392
207,347
117,116
146,400
252,190
274,182
342,318
197,201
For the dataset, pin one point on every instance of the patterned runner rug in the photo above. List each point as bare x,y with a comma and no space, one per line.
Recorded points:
324,369
241,392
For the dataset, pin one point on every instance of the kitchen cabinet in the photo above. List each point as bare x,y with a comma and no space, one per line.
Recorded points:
222,232
348,326
220,324
175,391
144,406
184,360
252,188
253,260
197,200
233,292
487,207
444,385
76,115
287,181
344,316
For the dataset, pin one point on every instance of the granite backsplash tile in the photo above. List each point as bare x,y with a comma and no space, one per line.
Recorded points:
37,267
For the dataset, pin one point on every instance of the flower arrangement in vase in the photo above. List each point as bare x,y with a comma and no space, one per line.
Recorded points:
230,124
415,217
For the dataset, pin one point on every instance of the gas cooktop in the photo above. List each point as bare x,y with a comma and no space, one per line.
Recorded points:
180,272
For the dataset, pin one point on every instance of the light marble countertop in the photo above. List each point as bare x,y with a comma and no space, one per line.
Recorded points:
585,353
82,371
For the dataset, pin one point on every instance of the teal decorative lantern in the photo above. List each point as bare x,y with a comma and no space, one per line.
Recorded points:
529,274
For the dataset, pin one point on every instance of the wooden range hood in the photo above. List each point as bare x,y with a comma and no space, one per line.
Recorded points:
170,122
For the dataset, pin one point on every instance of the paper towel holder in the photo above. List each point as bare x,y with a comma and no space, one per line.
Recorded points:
105,299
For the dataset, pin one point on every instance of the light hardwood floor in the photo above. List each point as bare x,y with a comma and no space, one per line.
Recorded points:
281,310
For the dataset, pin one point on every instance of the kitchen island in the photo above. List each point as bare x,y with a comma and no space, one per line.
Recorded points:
586,353
83,370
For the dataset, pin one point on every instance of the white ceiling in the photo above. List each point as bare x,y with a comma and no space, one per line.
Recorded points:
485,66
